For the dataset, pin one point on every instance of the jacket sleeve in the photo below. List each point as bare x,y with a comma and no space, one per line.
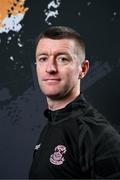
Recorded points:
107,154
99,156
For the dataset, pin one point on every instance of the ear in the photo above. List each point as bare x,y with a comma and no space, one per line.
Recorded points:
84,68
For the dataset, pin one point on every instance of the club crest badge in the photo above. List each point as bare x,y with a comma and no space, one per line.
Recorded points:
57,158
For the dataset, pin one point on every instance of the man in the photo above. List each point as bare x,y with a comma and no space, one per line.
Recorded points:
77,141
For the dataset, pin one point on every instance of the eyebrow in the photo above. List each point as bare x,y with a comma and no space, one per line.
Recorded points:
41,54
62,53
57,54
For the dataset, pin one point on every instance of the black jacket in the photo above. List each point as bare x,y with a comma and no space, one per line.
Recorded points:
77,143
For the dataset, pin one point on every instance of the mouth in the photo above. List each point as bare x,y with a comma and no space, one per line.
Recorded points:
51,80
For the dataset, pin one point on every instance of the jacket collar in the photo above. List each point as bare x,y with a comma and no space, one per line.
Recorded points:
78,106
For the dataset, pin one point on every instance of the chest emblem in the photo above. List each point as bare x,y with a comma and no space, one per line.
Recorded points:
57,158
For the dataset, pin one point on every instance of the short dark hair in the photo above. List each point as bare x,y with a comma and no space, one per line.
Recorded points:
62,32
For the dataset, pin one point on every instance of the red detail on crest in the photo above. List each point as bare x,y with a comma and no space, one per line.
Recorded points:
57,157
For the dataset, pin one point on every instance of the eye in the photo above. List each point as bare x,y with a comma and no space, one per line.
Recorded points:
62,59
42,59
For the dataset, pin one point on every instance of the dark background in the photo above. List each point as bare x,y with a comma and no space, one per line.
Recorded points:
21,102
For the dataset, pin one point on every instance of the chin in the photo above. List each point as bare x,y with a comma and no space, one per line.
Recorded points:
51,92
54,96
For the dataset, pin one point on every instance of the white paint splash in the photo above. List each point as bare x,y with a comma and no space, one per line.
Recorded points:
12,23
79,13
114,16
89,3
114,13
53,4
9,39
20,44
52,11
11,58
21,67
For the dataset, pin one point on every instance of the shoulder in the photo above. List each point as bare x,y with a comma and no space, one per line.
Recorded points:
95,128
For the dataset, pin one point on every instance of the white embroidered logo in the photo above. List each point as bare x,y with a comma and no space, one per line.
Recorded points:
57,157
37,146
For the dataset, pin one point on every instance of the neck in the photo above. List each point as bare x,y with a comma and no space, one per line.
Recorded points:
55,104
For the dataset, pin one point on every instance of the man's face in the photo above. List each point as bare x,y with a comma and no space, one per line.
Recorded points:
58,67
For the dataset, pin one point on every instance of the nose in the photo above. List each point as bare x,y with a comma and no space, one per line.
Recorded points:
51,66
